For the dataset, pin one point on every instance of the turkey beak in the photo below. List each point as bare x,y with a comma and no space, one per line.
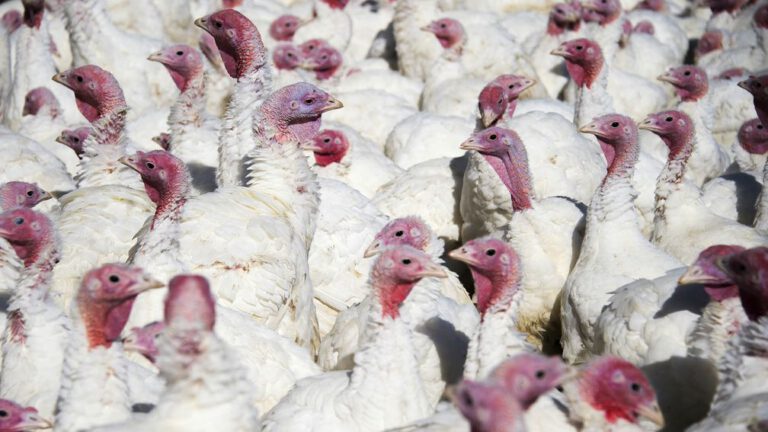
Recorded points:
433,270
130,162
560,51
427,28
44,196
146,283
653,414
463,255
744,84
648,125
201,22
695,275
156,57
470,144
591,128
332,104
130,343
33,421
667,77
373,249
528,83
61,78
308,64
488,118
310,146
61,139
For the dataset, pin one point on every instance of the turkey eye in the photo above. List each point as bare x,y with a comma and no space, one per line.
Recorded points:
500,101
467,398
324,58
150,165
540,374
442,25
687,73
635,387
511,86
738,267
290,54
76,139
579,47
3,413
157,335
615,124
327,140
217,24
490,252
406,261
760,127
18,221
309,101
79,78
669,119
30,193
311,47
558,10
178,53
288,24
492,137
399,233
758,85
114,279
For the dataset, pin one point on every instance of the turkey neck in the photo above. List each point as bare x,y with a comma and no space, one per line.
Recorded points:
719,323
87,21
608,36
235,135
99,165
614,199
744,363
188,112
592,97
761,218
671,177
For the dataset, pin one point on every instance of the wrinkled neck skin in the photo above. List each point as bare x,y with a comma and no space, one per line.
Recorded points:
453,53
188,112
615,198
592,97
520,186
235,135
761,218
99,165
671,177
719,323
743,366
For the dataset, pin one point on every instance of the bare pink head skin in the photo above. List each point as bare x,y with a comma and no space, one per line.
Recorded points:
41,100
749,269
583,59
229,4
675,128
528,376
601,11
336,4
653,5
143,340
710,41
564,17
732,73
190,305
239,42
405,231
74,139
284,27
704,271
753,137
97,92
308,47
645,27
761,17
505,152
618,138
165,178
20,419
758,87
499,98
488,407
495,268
690,82
33,12
395,272
324,61
448,31
12,20
619,390
163,140
329,146
183,63
719,6
30,233
294,111
287,56
105,300
21,194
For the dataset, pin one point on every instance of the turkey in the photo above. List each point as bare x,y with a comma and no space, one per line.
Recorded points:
19,418
385,371
756,85
424,136
95,373
74,139
602,265
751,151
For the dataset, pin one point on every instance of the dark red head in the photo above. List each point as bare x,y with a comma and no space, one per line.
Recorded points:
645,27
41,100
409,231
329,146
143,340
749,269
499,97
448,31
74,138
583,59
33,12
691,83
308,47
488,407
336,4
654,5
396,271
16,418
165,176
230,4
97,92
528,376
705,271
564,17
730,6
761,17
295,111
29,233
620,390
618,138
732,73
239,42
21,194
324,61
284,27
601,11
286,56
11,21
758,87
495,268
709,42
190,305
106,297
675,128
753,137
183,63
